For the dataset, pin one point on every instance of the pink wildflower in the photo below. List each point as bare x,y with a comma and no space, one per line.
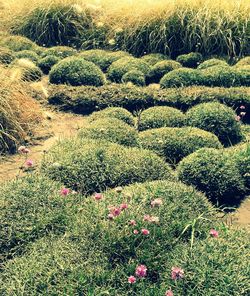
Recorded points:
237,118
147,218
156,202
242,107
98,196
116,212
132,222
123,206
141,271
145,231
29,163
214,233
169,293
132,279
65,191
135,232
177,273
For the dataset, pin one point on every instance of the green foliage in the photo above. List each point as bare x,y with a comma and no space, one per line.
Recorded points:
134,76
59,52
114,112
27,70
181,77
214,172
17,43
110,129
154,58
6,56
212,62
218,119
31,208
46,63
76,71
27,54
124,65
190,60
175,143
102,58
160,69
91,166
155,117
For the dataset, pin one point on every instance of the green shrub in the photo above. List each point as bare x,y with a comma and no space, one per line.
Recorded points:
26,70
218,119
91,166
76,71
46,63
213,172
18,43
243,74
31,208
181,77
243,62
211,63
102,58
155,117
6,56
134,76
110,129
190,60
124,65
114,112
59,52
154,58
160,69
175,143
27,54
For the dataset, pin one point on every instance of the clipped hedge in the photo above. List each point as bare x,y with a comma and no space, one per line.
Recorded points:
160,69
91,166
190,60
6,56
214,172
46,63
110,129
155,117
176,143
76,71
134,76
114,112
218,119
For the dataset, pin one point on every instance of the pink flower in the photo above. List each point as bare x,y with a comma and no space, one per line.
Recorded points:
98,196
132,279
156,202
116,212
177,273
145,231
242,114
242,107
110,216
169,293
214,233
141,271
135,232
123,206
65,191
237,118
29,163
132,222
146,218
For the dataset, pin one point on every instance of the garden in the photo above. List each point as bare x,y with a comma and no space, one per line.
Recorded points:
124,148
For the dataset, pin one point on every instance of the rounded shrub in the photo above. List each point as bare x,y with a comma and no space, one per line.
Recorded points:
110,129
134,76
27,54
190,60
181,77
124,65
218,119
114,112
6,56
175,143
160,69
76,71
46,63
243,62
211,63
102,58
91,166
31,207
213,172
59,52
26,70
154,58
18,43
155,117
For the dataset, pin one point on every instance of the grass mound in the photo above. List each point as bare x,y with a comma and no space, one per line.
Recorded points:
155,117
190,60
110,129
160,69
76,71
6,56
243,62
114,112
18,43
218,119
175,143
215,173
211,63
26,70
27,54
59,52
46,63
134,76
154,58
91,166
